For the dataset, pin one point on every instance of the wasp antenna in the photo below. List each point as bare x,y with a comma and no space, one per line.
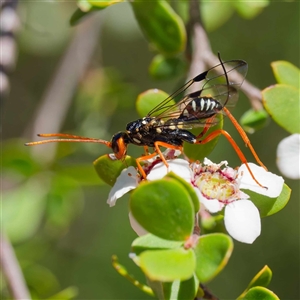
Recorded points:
67,140
65,135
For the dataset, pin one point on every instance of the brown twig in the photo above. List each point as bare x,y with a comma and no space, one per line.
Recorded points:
202,57
11,270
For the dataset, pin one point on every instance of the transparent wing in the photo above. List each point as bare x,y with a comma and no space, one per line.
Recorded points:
220,82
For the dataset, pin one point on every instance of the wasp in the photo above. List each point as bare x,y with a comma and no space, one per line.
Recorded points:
167,125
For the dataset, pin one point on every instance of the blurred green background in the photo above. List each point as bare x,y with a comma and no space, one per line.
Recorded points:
75,232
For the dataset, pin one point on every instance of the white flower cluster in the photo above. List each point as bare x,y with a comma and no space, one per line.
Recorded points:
217,186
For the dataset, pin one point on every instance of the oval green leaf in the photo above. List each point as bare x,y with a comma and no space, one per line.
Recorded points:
168,265
286,73
149,99
282,102
250,9
163,67
189,189
66,294
200,151
152,242
109,169
161,25
262,278
269,206
253,120
164,208
212,254
215,13
260,293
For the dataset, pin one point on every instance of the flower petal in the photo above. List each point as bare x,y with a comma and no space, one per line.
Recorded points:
127,180
139,230
273,182
288,156
179,166
212,205
242,221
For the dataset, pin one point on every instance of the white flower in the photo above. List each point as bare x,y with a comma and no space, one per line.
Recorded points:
129,178
217,186
288,156
127,181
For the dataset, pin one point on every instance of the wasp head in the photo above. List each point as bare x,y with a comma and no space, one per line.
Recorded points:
119,144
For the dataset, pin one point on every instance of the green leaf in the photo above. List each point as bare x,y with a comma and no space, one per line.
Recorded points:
189,189
149,99
84,5
84,9
187,289
212,254
269,206
152,242
23,208
282,102
103,4
109,169
40,279
78,16
262,278
168,265
200,151
163,67
260,293
250,9
164,208
161,25
66,294
253,120
286,73
180,290
215,13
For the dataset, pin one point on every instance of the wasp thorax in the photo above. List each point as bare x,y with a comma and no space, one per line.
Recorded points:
140,125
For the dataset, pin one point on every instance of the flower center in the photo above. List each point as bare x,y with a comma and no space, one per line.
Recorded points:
216,186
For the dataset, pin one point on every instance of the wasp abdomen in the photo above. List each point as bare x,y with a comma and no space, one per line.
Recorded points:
201,108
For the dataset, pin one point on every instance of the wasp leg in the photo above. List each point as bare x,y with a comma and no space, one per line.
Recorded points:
157,152
142,172
166,145
243,136
206,127
237,149
146,149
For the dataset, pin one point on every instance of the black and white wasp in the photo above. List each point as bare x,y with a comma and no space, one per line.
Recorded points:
168,124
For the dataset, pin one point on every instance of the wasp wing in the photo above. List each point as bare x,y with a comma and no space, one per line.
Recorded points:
219,82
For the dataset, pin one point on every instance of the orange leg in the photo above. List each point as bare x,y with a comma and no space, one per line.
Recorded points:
244,136
146,150
157,152
240,154
206,127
